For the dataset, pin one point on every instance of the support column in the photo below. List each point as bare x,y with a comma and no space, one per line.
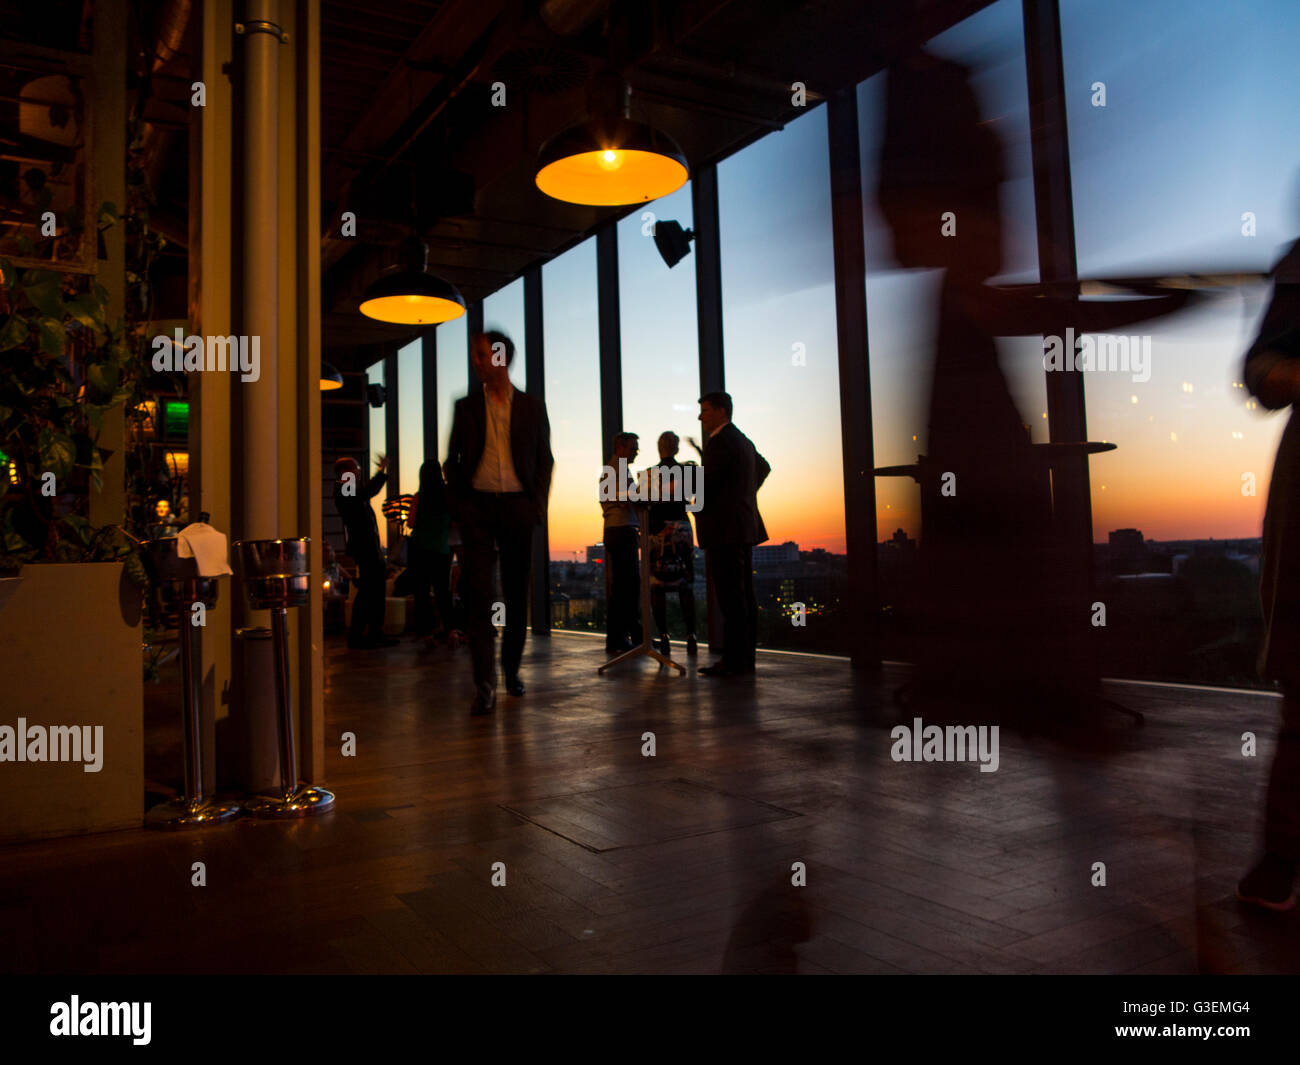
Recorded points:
429,397
304,142
611,351
210,304
259,448
862,604
1057,267
535,356
708,314
108,505
708,277
392,430
473,326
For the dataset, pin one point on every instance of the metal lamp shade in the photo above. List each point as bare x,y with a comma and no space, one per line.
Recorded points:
412,297
610,162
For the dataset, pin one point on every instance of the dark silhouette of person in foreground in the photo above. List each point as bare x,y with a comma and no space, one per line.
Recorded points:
1001,594
730,525
985,502
352,497
1272,375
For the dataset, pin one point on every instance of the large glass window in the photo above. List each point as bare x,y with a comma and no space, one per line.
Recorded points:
504,311
660,348
410,416
658,332
782,371
1184,153
572,346
453,376
378,446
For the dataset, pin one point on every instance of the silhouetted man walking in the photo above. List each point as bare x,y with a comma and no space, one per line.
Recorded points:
499,477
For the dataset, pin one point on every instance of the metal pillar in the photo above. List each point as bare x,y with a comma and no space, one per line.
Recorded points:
535,366
473,326
708,315
708,277
261,451
862,604
1057,266
429,363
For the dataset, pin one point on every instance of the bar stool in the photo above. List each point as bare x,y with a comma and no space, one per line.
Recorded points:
276,576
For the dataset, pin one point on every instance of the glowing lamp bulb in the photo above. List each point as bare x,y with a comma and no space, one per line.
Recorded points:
610,159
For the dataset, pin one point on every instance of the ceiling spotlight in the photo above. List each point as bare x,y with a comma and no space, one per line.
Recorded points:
672,241
409,294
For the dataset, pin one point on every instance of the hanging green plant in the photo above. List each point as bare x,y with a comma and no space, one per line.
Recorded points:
62,366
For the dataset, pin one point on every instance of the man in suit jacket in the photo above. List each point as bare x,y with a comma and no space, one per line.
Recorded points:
361,539
499,480
729,525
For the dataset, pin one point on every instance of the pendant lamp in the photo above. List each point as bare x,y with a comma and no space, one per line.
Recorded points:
330,378
610,160
409,294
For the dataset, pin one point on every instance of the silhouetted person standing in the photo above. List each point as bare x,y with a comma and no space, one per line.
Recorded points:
622,539
672,555
1272,374
352,498
499,477
430,554
729,526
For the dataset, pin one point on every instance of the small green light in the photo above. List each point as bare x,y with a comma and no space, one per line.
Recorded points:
176,417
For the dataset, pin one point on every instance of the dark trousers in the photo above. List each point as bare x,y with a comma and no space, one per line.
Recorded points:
431,569
491,526
623,620
368,609
731,569
1282,811
659,604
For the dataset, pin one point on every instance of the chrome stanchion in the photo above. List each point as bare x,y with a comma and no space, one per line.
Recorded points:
180,587
276,576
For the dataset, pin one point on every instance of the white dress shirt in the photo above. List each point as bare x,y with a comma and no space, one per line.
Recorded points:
496,469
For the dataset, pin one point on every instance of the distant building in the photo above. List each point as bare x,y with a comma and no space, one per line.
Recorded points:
596,553
776,554
1128,551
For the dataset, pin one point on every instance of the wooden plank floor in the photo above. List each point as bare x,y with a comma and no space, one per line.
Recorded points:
681,862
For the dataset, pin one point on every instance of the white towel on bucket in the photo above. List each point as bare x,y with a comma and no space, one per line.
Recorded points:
206,546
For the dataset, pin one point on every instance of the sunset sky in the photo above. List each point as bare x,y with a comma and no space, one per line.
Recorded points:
1202,123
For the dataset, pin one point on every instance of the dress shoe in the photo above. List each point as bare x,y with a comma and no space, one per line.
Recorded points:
665,647
619,648
718,670
515,686
1268,885
485,701
691,646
